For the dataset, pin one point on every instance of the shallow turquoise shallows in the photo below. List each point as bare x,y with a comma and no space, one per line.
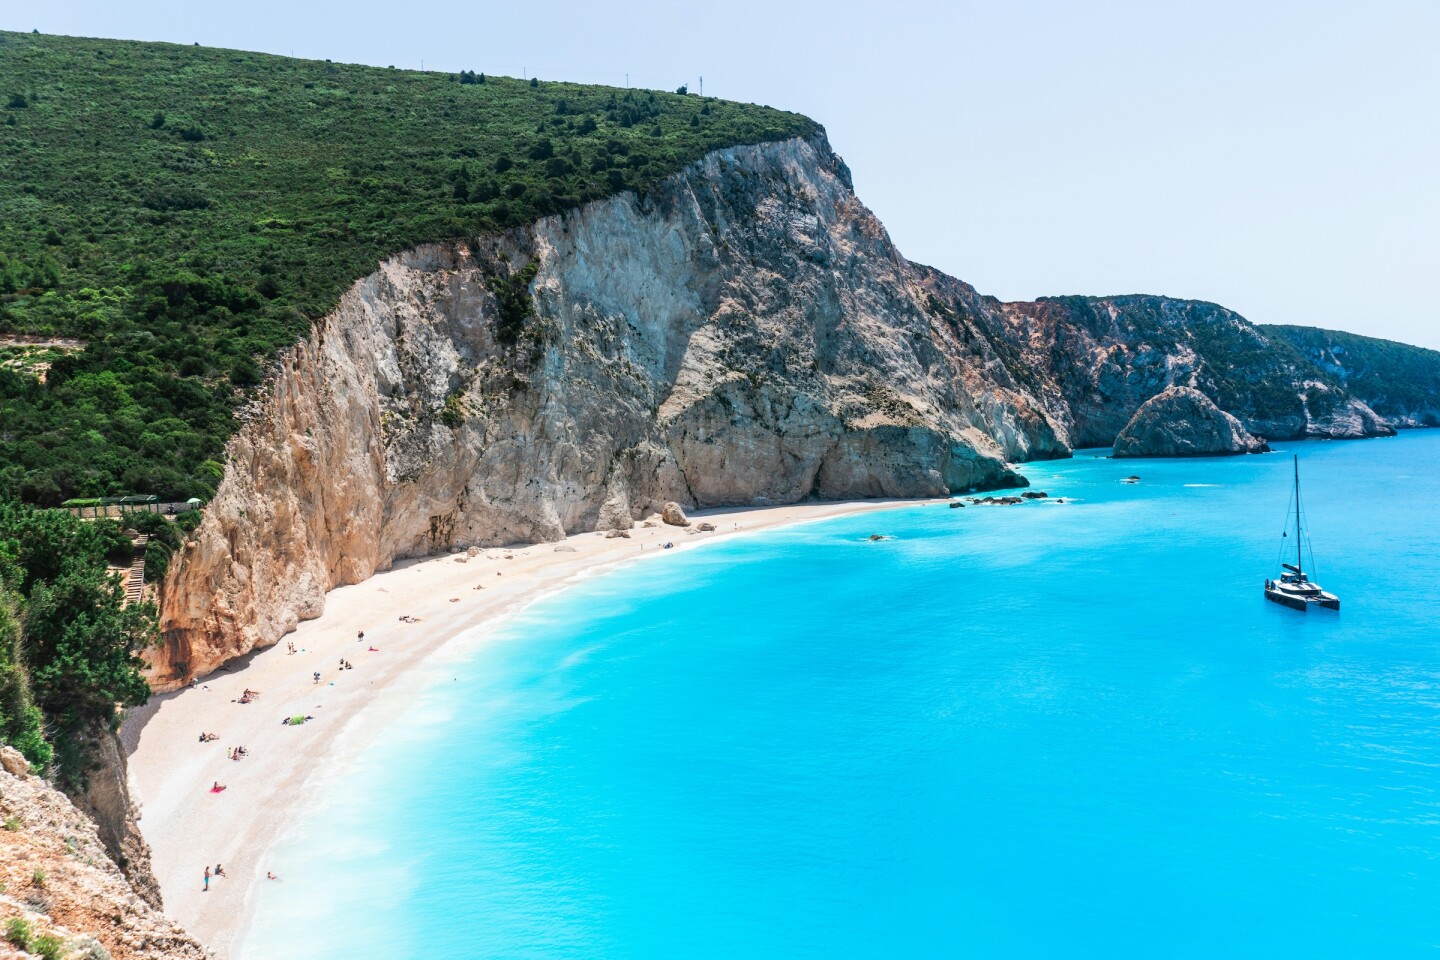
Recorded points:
1042,730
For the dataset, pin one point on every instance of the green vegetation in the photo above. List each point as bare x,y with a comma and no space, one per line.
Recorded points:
1395,379
186,212
68,647
18,932
48,947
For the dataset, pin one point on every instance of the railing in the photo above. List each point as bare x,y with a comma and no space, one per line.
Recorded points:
114,511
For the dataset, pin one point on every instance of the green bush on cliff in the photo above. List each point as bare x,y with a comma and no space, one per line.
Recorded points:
186,212
68,646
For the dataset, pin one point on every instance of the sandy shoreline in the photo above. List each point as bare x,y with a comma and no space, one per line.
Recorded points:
171,772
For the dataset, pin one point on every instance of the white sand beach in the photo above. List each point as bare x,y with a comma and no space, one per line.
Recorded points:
171,771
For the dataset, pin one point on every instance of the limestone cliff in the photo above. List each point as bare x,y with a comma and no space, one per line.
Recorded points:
57,882
1183,422
745,334
1102,357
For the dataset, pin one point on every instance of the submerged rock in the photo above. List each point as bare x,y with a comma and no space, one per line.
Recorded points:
1183,422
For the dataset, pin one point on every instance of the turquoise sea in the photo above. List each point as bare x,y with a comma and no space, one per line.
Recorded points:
1041,730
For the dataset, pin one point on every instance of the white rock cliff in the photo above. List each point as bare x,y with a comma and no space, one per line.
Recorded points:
745,334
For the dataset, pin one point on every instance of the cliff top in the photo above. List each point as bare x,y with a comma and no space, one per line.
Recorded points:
187,211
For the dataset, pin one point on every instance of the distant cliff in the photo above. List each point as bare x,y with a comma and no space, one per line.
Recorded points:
1398,381
743,333
1101,357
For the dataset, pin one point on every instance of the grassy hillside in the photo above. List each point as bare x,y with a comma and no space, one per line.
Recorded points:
1395,379
185,212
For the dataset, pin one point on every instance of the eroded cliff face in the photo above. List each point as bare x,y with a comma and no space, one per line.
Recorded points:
745,334
57,881
1100,358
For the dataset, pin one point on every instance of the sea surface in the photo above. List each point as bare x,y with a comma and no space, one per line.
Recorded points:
1040,730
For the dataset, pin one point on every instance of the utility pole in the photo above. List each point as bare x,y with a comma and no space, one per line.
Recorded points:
627,81
702,86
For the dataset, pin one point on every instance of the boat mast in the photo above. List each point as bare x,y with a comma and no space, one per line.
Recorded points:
1299,562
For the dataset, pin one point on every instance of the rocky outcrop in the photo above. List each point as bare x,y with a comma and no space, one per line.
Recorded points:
1183,422
57,880
673,514
744,334
1095,360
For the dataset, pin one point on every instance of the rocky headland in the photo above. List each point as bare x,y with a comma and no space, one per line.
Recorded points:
1183,422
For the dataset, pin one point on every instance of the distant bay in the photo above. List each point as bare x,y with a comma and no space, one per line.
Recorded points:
1064,729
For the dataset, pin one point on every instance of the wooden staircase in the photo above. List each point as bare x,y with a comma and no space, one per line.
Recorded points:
135,581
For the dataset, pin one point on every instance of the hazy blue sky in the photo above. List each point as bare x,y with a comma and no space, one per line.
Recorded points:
1280,158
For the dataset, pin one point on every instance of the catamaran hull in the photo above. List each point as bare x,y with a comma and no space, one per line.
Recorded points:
1325,600
1285,600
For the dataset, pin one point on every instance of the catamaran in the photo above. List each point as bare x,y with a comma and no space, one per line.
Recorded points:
1294,588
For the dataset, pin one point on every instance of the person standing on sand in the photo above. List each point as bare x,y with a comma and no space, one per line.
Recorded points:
207,880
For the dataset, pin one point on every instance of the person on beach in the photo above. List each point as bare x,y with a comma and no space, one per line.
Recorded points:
217,787
290,647
219,870
317,676
270,876
207,880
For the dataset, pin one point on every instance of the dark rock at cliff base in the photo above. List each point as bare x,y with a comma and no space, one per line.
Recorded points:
1035,495
956,504
1183,422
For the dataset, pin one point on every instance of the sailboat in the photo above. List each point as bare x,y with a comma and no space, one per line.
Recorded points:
1294,588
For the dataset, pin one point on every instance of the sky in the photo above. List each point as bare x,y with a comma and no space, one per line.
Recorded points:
1282,159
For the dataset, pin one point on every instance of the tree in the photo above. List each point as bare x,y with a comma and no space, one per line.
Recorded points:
534,82
78,641
683,89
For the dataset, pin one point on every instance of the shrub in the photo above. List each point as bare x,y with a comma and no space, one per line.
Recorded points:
48,947
18,101
18,931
